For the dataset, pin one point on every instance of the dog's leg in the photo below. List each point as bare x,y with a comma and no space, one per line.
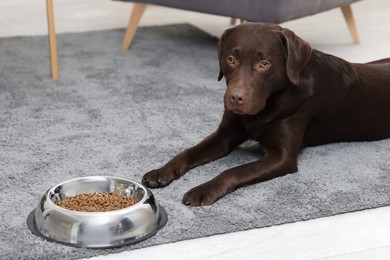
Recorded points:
220,143
274,164
282,145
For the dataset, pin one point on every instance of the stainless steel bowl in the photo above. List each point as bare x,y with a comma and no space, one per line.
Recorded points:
97,229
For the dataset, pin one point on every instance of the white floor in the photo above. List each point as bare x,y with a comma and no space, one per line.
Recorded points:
359,235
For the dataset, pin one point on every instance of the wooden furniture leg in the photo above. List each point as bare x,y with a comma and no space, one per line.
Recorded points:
135,17
347,12
52,39
233,20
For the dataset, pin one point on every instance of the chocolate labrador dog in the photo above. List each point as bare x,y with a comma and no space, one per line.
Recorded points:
285,95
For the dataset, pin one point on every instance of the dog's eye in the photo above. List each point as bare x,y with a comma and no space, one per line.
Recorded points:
264,64
230,60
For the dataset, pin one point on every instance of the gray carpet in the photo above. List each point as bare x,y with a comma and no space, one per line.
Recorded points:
125,113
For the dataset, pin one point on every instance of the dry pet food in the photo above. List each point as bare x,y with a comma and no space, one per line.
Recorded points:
96,202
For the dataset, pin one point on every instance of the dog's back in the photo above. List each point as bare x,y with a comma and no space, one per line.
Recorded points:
359,109
381,61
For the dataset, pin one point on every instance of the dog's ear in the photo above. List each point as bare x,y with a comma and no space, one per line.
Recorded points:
298,53
219,48
220,76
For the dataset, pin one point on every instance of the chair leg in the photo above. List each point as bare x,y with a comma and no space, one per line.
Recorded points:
347,12
52,39
135,17
233,20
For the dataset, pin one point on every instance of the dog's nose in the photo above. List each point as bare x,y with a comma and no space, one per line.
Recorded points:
237,96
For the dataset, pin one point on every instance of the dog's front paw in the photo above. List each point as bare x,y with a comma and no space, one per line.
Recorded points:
159,178
203,195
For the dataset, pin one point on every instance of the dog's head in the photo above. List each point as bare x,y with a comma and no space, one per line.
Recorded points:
256,60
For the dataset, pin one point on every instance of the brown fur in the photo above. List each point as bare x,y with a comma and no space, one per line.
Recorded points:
285,95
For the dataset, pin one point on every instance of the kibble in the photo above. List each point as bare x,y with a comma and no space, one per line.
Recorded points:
96,202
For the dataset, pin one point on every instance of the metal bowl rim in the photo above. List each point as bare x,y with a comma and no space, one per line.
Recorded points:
97,213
